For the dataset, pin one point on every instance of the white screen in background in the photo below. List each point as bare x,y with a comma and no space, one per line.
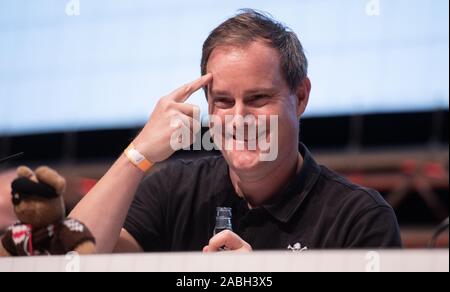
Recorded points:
108,66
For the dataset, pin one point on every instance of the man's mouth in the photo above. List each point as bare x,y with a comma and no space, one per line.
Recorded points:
244,140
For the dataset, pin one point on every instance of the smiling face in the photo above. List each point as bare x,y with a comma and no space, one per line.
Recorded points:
248,81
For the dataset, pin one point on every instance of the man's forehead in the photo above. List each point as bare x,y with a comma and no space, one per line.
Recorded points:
255,55
252,68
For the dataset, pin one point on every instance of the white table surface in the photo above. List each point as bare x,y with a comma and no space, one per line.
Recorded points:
345,260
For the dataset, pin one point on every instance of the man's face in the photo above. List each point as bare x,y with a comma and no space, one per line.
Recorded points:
247,81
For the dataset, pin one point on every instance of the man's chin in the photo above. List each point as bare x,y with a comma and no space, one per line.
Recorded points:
244,160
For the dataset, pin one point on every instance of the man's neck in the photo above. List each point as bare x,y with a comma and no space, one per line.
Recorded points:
259,190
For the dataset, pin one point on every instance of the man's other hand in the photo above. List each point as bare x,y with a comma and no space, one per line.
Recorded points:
227,240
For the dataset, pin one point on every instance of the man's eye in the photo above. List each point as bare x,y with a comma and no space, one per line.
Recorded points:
259,100
223,102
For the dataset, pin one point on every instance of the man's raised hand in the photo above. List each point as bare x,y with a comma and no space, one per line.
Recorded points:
165,131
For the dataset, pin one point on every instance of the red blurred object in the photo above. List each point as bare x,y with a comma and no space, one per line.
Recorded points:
86,184
435,170
409,167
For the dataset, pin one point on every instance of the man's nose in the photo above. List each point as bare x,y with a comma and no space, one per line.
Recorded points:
242,118
240,109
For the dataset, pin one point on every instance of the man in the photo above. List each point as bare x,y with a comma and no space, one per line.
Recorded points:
251,66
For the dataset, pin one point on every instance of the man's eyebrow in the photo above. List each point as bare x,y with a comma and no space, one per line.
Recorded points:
220,93
269,90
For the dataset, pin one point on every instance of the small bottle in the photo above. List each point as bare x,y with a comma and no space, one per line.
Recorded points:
223,220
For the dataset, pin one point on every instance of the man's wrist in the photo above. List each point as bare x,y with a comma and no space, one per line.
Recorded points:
137,158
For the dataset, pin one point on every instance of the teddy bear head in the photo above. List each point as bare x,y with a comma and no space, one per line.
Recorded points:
38,196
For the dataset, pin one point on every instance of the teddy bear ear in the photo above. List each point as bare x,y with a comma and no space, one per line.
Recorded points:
24,171
49,176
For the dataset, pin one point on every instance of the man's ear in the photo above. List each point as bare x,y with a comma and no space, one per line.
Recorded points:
303,96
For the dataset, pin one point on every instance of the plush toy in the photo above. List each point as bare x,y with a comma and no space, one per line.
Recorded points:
42,228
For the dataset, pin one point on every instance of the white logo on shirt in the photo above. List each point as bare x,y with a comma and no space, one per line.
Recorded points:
297,247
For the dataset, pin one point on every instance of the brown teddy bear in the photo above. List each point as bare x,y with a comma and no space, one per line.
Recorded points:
42,228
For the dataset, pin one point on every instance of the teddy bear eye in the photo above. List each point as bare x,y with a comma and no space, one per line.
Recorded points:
16,199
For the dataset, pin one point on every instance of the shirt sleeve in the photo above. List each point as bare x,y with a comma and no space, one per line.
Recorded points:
74,233
145,219
375,227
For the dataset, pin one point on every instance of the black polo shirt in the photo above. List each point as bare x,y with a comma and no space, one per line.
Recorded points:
174,210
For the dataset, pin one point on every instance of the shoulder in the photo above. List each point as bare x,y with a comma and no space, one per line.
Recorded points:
368,220
340,189
178,181
179,170
204,163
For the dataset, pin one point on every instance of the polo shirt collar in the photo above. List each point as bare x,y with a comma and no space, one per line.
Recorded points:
289,200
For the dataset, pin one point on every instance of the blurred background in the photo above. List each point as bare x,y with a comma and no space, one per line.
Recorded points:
78,79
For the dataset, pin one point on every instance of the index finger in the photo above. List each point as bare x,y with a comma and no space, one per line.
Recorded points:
183,93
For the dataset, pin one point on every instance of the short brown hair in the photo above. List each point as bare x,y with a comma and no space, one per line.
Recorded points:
251,25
